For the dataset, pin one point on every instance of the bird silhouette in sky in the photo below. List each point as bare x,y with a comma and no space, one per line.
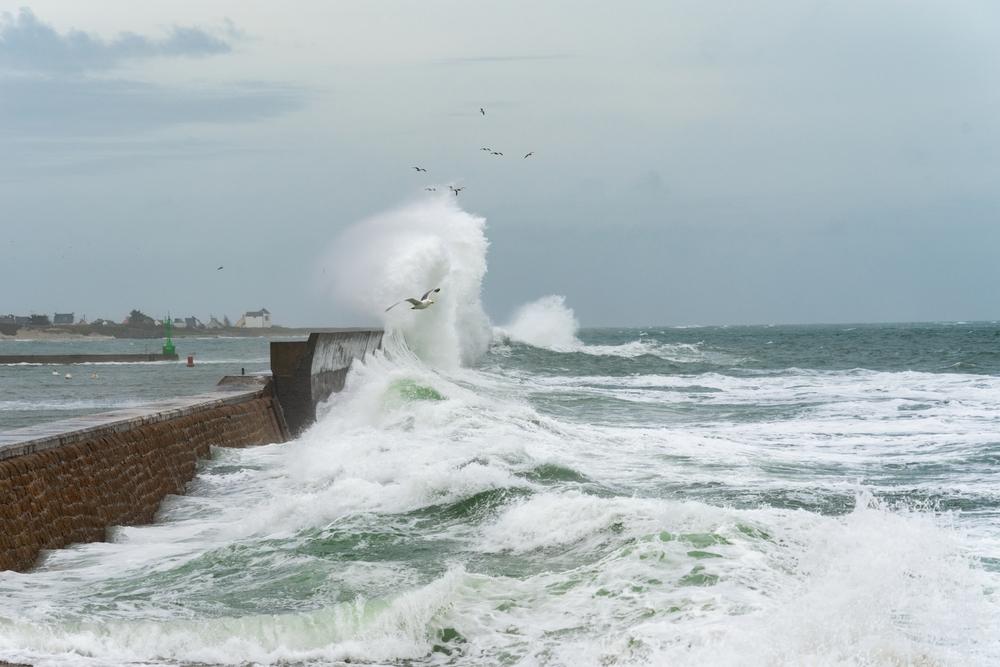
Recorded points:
455,190
482,111
420,169
528,154
219,269
423,302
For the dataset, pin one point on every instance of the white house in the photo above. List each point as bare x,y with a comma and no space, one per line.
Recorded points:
255,319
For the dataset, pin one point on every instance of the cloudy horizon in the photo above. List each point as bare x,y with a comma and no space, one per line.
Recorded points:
693,164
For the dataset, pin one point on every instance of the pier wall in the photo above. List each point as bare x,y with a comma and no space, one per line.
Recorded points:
305,373
68,481
84,358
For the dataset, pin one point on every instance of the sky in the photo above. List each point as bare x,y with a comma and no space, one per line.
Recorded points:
694,162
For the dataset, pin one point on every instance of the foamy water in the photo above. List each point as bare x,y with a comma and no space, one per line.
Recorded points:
709,496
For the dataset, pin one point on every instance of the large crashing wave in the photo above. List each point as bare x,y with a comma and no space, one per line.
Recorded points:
434,243
547,322
407,251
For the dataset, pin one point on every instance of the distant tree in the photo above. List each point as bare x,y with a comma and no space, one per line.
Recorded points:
226,322
137,318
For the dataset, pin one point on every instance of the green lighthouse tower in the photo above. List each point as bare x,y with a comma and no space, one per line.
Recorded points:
168,347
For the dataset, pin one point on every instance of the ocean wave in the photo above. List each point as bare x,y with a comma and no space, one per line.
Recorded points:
427,244
436,513
550,324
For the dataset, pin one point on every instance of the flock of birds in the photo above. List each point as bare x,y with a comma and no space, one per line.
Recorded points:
487,149
425,301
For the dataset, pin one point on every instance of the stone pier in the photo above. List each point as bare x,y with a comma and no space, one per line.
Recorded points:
70,480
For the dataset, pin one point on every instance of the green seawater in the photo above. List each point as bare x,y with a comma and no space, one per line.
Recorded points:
761,495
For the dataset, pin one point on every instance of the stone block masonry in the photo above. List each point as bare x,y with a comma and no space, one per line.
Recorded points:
68,481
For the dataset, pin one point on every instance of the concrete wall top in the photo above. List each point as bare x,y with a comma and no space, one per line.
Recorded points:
41,437
336,350
306,372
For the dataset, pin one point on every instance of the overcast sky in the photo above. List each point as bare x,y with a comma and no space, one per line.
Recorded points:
695,162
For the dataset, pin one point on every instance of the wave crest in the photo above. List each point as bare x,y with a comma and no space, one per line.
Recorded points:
547,323
405,252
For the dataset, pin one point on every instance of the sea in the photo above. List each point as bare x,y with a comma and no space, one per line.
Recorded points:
554,495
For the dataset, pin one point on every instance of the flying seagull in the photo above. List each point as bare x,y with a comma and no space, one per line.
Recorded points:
219,269
498,153
431,189
418,304
527,155
455,190
420,169
482,111
486,148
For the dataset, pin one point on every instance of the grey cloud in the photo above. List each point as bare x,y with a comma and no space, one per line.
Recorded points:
36,106
29,45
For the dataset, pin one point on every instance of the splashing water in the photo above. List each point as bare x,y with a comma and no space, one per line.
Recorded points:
574,500
407,251
434,243
547,322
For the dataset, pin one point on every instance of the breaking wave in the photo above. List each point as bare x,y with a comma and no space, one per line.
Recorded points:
405,252
550,324
442,514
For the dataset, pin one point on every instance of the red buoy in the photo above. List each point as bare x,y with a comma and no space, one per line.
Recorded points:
190,360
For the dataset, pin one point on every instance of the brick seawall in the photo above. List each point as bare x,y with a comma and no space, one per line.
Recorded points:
68,481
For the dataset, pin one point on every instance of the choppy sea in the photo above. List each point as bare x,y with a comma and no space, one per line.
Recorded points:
786,495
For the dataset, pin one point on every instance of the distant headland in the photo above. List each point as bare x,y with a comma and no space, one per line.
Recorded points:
65,326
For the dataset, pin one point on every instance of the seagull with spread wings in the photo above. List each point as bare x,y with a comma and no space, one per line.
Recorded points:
418,304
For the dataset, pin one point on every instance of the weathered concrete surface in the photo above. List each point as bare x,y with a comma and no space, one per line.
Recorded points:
306,372
68,481
83,358
332,356
290,369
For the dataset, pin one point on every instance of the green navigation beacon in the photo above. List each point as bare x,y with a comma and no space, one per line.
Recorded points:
168,347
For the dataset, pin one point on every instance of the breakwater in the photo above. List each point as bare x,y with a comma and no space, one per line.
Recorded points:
306,372
70,480
84,358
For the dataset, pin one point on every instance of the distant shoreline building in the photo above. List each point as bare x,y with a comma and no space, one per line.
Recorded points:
63,318
188,323
255,319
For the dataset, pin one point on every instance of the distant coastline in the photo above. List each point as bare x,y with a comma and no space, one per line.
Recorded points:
109,332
